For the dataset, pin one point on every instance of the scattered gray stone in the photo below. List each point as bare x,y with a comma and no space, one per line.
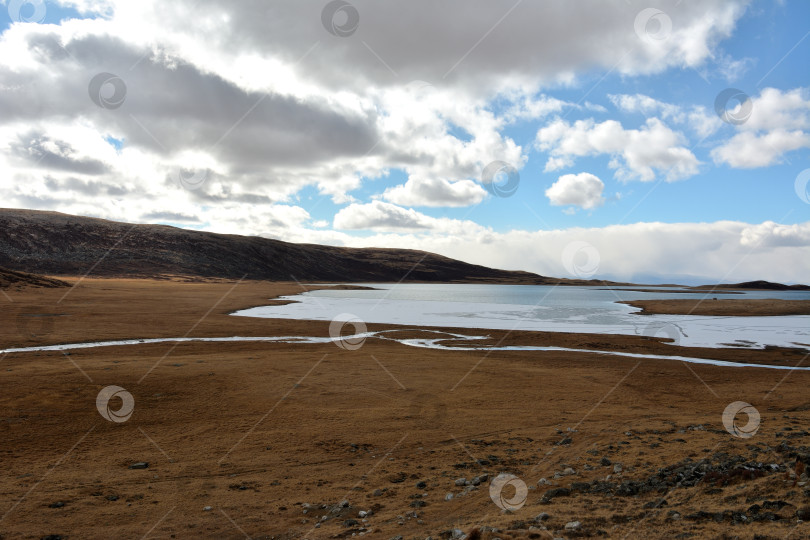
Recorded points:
364,513
139,465
605,462
208,508
351,523
541,517
461,481
573,526
617,468
448,497
543,482
58,504
421,485
556,492
569,471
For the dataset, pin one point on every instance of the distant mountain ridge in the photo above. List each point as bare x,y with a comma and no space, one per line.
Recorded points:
59,244
757,285
56,244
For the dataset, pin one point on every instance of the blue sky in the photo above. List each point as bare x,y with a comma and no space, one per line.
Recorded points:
261,119
763,39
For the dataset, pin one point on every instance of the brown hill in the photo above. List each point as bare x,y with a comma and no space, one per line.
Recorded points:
10,278
59,244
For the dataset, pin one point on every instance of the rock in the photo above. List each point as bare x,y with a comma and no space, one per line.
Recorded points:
568,471
738,517
543,482
556,492
139,465
363,513
461,481
208,508
396,537
58,504
418,504
448,497
479,479
605,462
397,478
584,487
351,523
377,492
573,526
617,468
658,503
803,513
541,517
421,485
112,497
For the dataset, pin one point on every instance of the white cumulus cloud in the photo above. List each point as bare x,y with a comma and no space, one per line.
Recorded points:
583,190
640,154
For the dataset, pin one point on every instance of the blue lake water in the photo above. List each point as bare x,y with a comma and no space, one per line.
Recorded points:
545,308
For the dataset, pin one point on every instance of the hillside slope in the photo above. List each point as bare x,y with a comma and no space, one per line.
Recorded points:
10,278
59,244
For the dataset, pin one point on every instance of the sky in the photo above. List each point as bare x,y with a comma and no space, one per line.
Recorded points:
655,141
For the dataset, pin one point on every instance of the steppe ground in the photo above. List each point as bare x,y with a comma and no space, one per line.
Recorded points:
265,440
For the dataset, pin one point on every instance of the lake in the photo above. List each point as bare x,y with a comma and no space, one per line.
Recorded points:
545,308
